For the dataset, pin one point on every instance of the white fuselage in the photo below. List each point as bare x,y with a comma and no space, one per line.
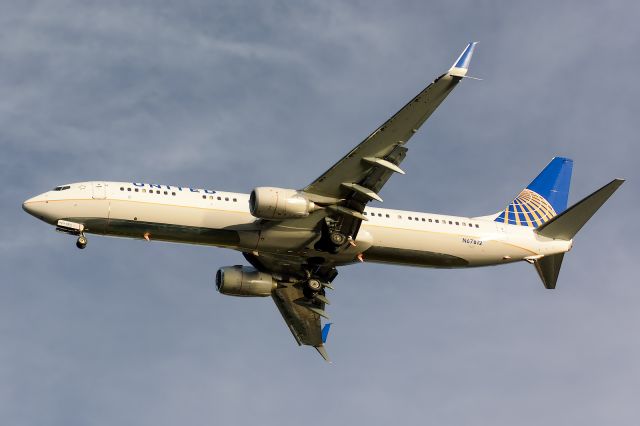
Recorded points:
197,216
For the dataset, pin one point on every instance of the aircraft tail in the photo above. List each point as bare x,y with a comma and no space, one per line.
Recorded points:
544,198
548,268
566,225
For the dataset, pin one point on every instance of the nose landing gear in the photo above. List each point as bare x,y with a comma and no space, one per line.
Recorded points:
81,243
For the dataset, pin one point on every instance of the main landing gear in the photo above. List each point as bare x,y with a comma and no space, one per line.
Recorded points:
314,288
337,238
313,285
81,243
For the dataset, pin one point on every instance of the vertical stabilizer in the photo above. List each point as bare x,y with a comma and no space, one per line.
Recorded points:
543,199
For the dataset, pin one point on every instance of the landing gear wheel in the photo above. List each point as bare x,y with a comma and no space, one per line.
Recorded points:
337,238
314,285
82,242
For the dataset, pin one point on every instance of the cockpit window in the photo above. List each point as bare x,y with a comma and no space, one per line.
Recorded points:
61,188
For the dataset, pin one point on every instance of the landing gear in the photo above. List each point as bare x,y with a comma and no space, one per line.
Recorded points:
318,279
81,243
314,285
337,238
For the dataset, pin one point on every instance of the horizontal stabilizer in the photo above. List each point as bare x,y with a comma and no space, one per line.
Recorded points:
567,224
548,268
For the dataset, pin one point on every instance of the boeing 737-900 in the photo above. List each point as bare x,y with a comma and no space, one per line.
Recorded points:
295,239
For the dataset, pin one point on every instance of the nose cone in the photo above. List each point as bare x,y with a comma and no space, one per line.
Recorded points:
36,206
28,206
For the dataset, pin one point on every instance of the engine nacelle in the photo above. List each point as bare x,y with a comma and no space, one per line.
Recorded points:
244,281
278,203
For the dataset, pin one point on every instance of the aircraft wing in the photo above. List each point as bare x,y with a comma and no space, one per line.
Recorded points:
343,191
301,313
364,170
301,316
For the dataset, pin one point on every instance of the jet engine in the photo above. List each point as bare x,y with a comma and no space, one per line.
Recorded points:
244,281
278,203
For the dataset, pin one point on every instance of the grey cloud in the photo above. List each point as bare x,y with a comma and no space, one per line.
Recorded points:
230,95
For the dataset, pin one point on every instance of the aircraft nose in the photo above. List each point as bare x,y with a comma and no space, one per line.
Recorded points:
35,206
27,206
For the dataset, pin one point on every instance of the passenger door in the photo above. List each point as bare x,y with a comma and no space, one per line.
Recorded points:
99,190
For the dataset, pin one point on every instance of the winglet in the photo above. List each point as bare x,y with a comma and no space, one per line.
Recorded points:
461,65
325,332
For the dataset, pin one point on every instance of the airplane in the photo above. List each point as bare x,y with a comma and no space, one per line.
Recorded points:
295,239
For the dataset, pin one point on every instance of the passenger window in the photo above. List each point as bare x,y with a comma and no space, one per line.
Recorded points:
423,219
129,189
437,221
477,226
204,197
409,218
235,200
364,213
470,225
157,192
226,198
430,220
121,189
387,215
379,214
458,223
399,217
450,223
219,198
144,190
173,193
136,190
464,224
166,193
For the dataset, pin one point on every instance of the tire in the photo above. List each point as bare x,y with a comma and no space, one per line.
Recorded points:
337,238
314,285
82,242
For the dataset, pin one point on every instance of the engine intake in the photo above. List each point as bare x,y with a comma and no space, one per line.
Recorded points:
244,281
278,203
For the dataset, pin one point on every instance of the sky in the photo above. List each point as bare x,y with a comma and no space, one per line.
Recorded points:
237,94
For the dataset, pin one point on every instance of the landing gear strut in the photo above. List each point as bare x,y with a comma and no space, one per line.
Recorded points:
81,243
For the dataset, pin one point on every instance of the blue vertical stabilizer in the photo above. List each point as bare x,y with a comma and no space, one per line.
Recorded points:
544,198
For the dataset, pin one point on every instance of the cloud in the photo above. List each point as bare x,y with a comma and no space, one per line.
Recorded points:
232,95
